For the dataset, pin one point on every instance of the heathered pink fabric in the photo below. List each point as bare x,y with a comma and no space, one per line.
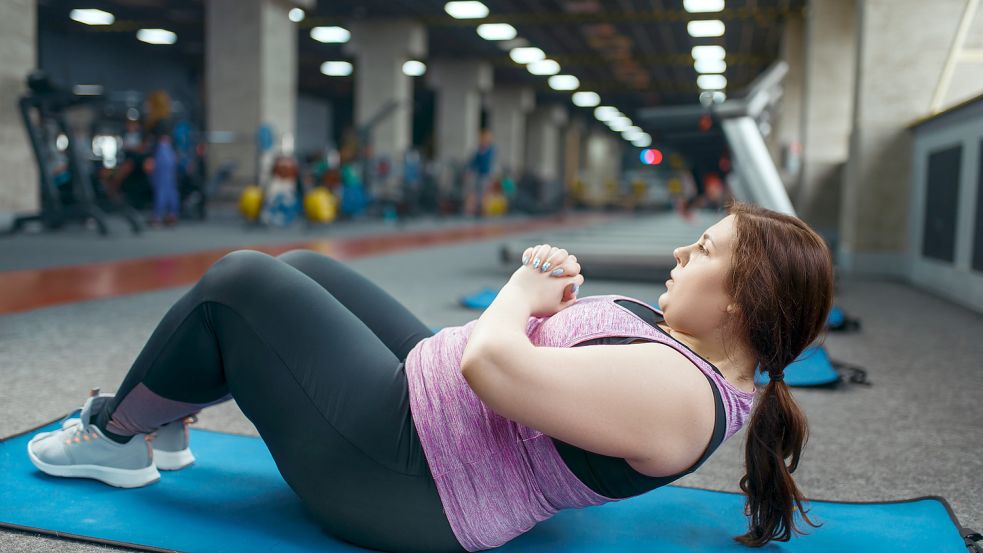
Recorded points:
497,478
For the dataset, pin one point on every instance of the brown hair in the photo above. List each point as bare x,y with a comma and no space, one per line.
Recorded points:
782,279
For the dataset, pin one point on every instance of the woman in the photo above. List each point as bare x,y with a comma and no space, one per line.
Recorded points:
401,440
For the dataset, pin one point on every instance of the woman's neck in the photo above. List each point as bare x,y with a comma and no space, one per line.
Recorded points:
737,365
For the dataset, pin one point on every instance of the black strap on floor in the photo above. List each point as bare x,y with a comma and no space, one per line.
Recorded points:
974,540
851,373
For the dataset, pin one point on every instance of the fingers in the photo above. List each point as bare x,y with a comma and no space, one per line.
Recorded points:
550,259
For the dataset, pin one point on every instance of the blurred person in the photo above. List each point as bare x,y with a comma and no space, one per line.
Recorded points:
162,167
480,169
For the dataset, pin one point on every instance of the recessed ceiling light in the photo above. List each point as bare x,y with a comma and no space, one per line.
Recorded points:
466,10
711,82
703,6
631,133
414,68
496,31
619,124
92,17
526,55
586,99
296,15
331,34
156,36
643,141
706,28
336,68
710,66
544,67
564,82
709,53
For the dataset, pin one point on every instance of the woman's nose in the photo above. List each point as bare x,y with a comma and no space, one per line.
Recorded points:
678,254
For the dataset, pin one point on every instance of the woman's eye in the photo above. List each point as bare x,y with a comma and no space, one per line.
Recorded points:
702,249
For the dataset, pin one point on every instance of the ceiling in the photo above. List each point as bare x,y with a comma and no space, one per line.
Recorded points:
634,53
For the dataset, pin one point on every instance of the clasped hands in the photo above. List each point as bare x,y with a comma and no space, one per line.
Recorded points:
548,280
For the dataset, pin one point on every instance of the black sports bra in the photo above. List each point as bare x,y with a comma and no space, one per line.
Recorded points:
612,476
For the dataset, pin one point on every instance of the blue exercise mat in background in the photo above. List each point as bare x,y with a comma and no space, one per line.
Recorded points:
234,500
811,368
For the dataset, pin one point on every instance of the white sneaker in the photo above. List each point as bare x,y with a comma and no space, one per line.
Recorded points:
81,450
171,445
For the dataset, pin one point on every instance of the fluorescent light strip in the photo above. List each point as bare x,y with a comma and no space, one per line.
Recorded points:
156,36
92,17
414,68
496,31
703,6
544,67
705,28
710,66
296,15
709,53
711,82
526,55
605,114
466,10
336,35
586,99
336,68
564,82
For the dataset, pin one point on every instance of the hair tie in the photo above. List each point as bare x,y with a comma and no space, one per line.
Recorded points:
780,377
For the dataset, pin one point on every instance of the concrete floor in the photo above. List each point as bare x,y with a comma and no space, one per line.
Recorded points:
916,431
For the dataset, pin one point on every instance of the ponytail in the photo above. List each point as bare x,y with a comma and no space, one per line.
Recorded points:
778,431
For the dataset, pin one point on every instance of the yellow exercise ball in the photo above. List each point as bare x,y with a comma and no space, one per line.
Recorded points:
251,202
320,205
495,205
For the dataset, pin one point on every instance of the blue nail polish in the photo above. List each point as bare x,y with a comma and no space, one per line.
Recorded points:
535,263
575,288
525,259
557,272
546,267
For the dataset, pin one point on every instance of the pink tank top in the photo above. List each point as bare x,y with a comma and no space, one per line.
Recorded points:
497,478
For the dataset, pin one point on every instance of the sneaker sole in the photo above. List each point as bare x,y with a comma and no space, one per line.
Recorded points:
120,478
173,460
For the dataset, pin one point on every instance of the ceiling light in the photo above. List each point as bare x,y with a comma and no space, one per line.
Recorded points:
544,67
336,68
296,15
605,113
703,6
414,68
706,28
526,55
496,31
331,34
564,82
631,133
719,97
92,17
709,53
710,66
619,124
711,82
466,10
156,36
643,141
586,99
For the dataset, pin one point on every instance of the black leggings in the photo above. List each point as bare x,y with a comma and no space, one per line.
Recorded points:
313,354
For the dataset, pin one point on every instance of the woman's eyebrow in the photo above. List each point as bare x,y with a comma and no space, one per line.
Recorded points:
707,238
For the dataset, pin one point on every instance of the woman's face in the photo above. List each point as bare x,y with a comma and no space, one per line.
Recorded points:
696,300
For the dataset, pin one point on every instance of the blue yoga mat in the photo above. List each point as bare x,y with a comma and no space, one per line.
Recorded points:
233,499
811,368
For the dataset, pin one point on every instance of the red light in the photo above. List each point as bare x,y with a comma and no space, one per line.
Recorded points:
651,156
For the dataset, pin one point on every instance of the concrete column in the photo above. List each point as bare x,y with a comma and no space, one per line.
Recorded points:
383,94
509,107
786,138
250,79
459,84
602,164
18,50
827,111
573,136
902,49
543,142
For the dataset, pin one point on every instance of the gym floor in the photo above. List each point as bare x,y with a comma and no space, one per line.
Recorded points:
916,431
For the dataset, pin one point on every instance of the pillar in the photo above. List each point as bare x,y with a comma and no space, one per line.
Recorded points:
459,84
383,94
902,49
509,107
786,137
827,110
250,80
18,50
602,164
544,142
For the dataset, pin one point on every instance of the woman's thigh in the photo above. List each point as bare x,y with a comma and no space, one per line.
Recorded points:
329,399
388,319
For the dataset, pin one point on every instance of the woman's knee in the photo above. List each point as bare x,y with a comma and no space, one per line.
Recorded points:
237,270
308,261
